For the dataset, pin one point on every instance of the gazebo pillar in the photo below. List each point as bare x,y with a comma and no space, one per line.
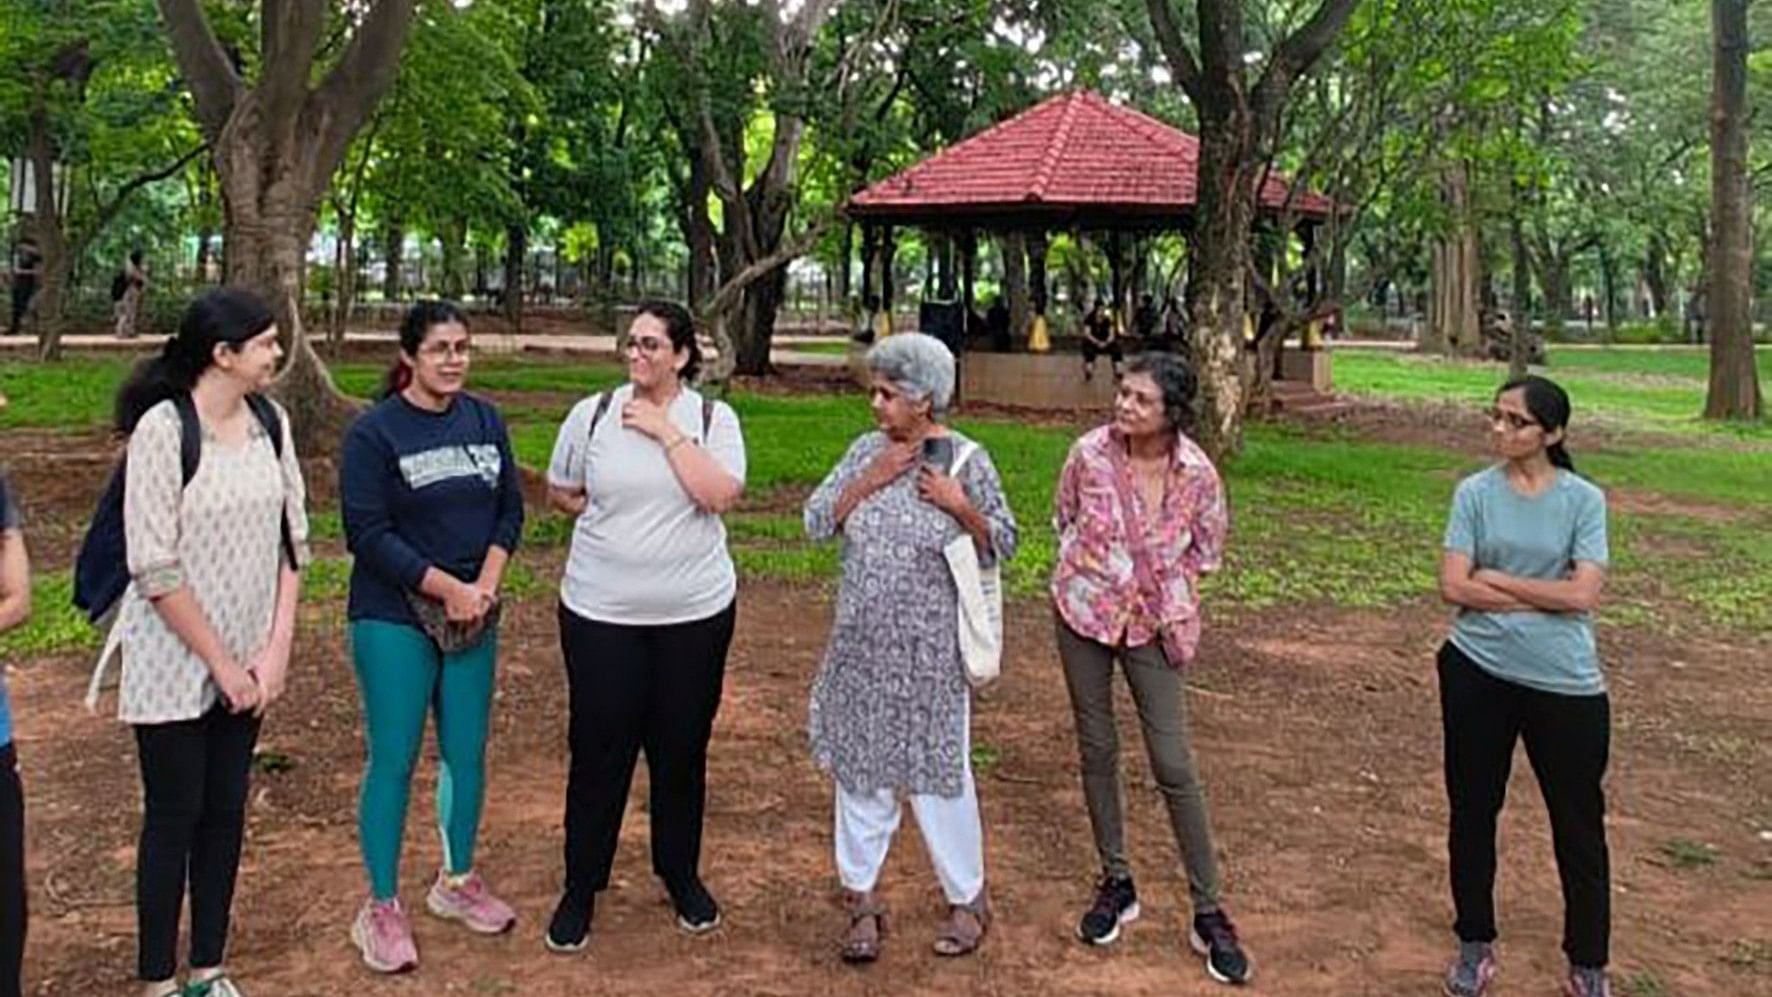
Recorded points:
887,250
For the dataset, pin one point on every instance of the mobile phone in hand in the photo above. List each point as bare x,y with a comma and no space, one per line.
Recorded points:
938,453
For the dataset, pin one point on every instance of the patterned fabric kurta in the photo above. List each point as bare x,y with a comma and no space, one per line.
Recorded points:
889,703
222,536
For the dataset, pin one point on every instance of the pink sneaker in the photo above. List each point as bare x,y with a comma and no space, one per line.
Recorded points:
472,904
384,935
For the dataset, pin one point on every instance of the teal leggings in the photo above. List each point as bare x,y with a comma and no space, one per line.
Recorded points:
403,676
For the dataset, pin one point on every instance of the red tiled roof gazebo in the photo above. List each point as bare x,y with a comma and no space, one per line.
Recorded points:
1075,160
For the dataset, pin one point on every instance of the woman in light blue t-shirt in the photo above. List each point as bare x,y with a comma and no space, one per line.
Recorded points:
1524,559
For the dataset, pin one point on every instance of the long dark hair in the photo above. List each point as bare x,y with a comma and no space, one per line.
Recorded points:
226,316
1549,405
420,319
680,327
1176,380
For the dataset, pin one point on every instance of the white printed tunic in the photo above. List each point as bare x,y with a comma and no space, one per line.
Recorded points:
222,536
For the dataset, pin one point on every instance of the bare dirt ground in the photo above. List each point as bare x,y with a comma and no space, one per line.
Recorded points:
1317,729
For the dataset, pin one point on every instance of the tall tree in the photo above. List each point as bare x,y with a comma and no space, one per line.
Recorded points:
1734,379
1240,119
277,140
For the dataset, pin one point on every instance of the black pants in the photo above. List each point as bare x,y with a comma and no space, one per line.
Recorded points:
194,783
633,688
12,874
1567,740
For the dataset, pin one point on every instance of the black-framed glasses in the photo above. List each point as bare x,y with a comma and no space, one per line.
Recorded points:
1514,421
649,344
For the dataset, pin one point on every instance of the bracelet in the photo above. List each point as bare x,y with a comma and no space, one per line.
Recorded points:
674,444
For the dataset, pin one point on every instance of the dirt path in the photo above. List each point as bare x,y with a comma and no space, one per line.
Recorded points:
1319,739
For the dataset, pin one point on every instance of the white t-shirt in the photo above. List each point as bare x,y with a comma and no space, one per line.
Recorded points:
642,553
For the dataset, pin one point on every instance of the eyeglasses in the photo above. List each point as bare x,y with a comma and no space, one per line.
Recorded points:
445,351
649,344
1514,421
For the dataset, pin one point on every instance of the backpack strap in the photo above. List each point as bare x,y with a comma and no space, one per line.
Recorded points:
272,423
190,436
603,401
707,418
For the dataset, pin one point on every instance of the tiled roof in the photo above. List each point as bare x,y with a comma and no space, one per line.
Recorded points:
1076,151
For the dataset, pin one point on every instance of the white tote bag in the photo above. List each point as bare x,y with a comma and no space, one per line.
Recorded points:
981,601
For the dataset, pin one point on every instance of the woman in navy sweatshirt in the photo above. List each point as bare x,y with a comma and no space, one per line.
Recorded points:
432,511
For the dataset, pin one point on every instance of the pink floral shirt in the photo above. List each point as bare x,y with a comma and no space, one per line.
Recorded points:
1094,586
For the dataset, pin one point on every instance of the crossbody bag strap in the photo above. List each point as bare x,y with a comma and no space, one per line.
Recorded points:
1136,541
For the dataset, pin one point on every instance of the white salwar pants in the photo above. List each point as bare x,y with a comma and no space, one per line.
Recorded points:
950,827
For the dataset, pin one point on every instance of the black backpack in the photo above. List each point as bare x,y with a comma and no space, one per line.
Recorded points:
101,570
119,285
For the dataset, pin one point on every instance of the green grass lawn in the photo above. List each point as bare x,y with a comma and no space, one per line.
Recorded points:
1319,518
1659,391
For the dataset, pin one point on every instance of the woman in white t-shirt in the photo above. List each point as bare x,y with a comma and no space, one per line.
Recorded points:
646,612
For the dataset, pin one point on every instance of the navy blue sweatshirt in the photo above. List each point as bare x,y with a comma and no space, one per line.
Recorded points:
423,489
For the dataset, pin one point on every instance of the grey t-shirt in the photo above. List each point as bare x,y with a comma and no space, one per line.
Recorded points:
1541,537
642,553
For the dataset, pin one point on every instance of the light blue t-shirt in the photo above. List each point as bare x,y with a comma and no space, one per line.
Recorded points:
9,520
1530,537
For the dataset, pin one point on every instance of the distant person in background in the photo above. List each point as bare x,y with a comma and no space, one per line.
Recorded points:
126,294
15,606
996,325
1174,323
1144,321
27,269
1039,334
1100,339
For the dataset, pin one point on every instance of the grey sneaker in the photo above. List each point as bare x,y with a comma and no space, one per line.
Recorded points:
1587,981
1470,973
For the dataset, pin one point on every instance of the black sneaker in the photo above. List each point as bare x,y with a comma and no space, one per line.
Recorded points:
570,929
1214,937
1116,903
696,910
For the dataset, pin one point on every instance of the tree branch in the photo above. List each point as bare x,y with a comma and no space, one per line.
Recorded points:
1175,51
1298,52
210,76
289,37
363,74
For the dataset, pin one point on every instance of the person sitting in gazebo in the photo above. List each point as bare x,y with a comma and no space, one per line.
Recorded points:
1100,338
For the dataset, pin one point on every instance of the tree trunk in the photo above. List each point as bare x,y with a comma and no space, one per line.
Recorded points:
1734,380
393,256
1655,273
1520,308
344,278
1015,283
1454,319
1217,293
1558,299
762,300
453,240
270,219
1609,288
52,242
845,251
516,247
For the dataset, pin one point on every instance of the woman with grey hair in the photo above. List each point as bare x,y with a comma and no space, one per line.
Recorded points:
891,708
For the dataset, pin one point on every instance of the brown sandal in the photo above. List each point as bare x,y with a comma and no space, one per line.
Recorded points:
867,927
964,929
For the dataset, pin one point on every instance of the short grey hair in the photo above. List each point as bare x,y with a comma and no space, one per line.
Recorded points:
917,364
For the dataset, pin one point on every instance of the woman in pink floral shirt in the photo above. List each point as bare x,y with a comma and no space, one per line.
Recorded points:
1140,516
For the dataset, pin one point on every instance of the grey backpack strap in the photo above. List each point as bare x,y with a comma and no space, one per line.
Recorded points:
602,408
